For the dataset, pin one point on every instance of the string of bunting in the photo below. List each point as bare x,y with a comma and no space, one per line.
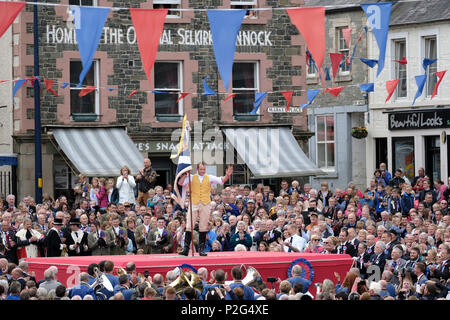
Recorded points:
89,22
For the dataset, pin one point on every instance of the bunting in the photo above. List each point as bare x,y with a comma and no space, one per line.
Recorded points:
440,75
310,22
334,91
149,25
420,81
391,85
206,89
231,95
367,87
427,62
86,90
288,96
225,25
17,85
182,96
403,61
336,59
347,34
48,86
378,18
259,98
89,23
8,13
370,62
311,94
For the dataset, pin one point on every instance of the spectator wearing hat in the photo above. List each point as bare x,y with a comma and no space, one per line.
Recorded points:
53,241
77,241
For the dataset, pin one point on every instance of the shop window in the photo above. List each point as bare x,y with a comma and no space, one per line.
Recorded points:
245,82
325,142
168,79
431,53
84,108
169,4
400,69
246,4
403,155
342,48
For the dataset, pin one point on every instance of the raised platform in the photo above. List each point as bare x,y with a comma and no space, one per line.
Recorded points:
269,264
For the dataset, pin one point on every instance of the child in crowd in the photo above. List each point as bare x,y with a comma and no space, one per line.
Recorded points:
151,195
159,199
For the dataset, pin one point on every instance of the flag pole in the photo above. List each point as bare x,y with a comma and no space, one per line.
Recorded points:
190,213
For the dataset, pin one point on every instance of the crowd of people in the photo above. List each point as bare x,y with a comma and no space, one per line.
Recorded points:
396,230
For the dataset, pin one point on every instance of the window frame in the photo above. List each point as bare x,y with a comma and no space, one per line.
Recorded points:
434,66
96,65
180,84
340,39
396,66
256,82
312,65
254,3
325,168
177,2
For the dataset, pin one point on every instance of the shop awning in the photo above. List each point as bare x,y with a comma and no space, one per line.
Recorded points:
271,152
8,159
99,151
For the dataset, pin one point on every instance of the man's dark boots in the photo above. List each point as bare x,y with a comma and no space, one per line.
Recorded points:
187,243
201,245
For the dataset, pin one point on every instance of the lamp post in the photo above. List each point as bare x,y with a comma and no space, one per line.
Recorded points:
37,113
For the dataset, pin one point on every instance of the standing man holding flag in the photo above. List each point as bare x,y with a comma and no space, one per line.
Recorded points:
200,191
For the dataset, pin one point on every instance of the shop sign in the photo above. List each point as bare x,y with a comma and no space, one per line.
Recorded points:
171,146
419,120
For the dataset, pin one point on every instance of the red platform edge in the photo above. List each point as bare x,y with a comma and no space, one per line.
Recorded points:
269,264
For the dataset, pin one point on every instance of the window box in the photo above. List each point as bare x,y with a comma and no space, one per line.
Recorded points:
84,117
168,117
246,117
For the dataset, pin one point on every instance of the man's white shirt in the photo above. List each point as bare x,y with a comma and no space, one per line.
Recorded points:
297,242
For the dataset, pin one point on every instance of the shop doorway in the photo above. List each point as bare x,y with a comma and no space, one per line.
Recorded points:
403,155
381,153
166,170
433,157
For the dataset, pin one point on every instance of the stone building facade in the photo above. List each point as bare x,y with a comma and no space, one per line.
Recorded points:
269,47
332,148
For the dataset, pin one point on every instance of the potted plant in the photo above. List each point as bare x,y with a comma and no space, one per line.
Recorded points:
359,132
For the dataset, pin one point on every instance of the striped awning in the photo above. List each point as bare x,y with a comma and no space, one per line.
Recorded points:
271,152
99,151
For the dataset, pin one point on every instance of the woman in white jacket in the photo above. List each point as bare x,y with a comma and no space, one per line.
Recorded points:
125,184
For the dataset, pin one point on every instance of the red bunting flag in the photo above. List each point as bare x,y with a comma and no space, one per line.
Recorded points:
48,86
336,59
440,75
149,24
403,61
134,92
347,34
310,22
8,13
334,91
391,85
183,95
231,95
86,90
288,96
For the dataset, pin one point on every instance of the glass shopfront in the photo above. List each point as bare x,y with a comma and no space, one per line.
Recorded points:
403,155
